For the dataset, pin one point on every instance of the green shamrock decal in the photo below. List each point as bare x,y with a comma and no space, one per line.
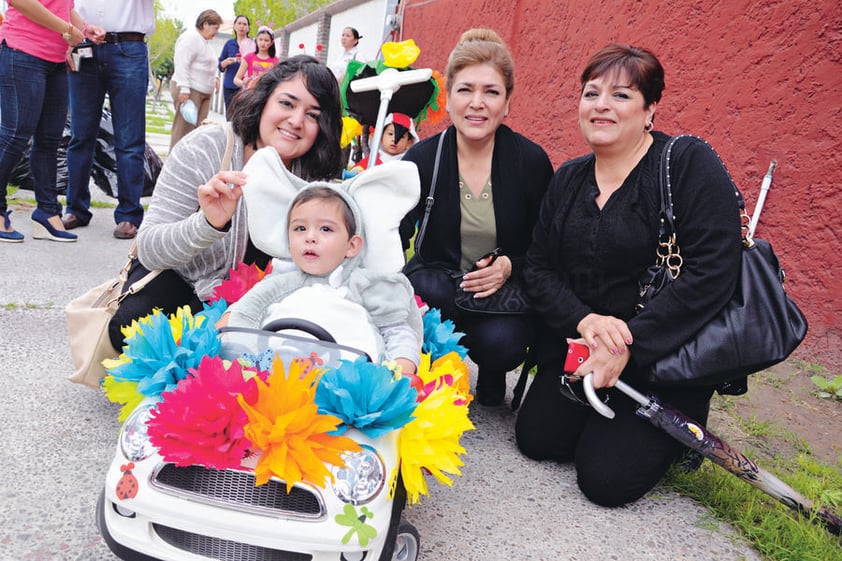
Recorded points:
350,517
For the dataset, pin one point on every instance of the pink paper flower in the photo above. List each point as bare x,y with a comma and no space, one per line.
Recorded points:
239,281
201,421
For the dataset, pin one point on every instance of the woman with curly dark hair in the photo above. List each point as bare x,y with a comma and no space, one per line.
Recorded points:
195,229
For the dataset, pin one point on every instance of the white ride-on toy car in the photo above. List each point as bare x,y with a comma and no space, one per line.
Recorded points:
152,509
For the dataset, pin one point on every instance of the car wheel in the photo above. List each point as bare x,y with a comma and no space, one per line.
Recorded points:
407,543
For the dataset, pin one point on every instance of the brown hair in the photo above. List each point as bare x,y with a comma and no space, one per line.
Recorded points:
325,194
481,46
641,66
208,16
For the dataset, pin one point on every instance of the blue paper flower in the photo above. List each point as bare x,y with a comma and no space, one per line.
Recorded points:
213,311
367,397
440,337
163,350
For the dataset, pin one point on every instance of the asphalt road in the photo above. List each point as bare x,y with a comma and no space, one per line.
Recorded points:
58,439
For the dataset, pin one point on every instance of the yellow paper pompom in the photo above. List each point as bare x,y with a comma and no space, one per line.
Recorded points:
285,424
400,55
122,391
430,443
453,365
351,128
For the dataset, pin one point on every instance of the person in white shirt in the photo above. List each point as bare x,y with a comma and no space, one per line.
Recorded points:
350,40
195,72
118,66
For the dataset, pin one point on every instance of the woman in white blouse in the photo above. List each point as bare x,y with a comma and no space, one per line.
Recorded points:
350,40
195,73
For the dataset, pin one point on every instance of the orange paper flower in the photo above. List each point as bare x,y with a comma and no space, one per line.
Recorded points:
284,422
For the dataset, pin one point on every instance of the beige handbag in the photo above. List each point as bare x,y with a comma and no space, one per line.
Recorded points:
88,317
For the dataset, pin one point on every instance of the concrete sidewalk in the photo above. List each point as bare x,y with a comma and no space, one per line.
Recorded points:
58,439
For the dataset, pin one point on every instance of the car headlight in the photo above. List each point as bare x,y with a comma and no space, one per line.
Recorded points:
134,441
362,478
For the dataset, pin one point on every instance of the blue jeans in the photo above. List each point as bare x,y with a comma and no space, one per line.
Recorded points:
122,71
33,104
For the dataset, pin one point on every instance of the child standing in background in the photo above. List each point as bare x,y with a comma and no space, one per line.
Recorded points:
260,61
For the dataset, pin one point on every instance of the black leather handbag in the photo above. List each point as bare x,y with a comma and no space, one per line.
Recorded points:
510,299
759,326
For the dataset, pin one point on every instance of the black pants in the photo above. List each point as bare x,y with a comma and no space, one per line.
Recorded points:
496,343
617,460
167,292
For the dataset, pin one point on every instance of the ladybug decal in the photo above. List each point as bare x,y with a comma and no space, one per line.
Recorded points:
127,486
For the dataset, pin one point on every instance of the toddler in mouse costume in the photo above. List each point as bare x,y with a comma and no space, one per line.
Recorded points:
345,278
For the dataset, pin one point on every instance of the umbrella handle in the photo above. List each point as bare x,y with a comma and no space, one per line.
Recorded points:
603,409
391,80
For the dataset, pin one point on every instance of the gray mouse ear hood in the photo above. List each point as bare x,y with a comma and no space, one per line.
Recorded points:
379,198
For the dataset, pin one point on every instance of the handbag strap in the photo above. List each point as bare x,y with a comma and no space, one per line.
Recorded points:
428,203
225,165
668,252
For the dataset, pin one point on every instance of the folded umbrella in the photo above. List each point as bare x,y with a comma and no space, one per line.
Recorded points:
696,437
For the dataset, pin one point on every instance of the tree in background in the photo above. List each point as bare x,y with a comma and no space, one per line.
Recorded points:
161,46
277,12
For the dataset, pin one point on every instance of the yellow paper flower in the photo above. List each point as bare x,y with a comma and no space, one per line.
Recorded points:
453,365
431,441
400,55
351,128
125,392
284,422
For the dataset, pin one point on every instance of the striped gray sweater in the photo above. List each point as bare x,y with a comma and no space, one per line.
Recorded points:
174,233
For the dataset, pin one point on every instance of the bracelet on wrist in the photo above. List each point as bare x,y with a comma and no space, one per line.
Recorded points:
69,33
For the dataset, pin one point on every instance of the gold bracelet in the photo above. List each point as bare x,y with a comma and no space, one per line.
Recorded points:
69,33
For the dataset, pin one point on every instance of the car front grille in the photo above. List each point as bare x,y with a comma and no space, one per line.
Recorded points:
236,489
224,550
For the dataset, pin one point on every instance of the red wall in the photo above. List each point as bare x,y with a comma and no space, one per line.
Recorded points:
759,82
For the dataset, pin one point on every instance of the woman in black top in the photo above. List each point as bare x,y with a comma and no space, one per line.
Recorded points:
596,235
489,187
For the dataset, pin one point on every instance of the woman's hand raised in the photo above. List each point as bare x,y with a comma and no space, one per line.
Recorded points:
218,197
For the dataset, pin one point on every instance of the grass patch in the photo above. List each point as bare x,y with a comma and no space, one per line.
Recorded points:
775,530
159,116
11,306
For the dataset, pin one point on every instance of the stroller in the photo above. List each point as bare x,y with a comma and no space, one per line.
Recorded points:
195,512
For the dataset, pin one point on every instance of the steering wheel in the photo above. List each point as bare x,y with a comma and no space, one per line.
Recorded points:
304,325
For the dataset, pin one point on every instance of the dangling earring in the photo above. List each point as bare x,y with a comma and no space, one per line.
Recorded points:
649,126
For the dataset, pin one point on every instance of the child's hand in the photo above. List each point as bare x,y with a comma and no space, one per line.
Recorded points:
407,366
223,321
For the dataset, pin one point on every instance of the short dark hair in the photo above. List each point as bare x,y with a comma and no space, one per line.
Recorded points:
324,159
323,193
208,16
355,33
640,65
